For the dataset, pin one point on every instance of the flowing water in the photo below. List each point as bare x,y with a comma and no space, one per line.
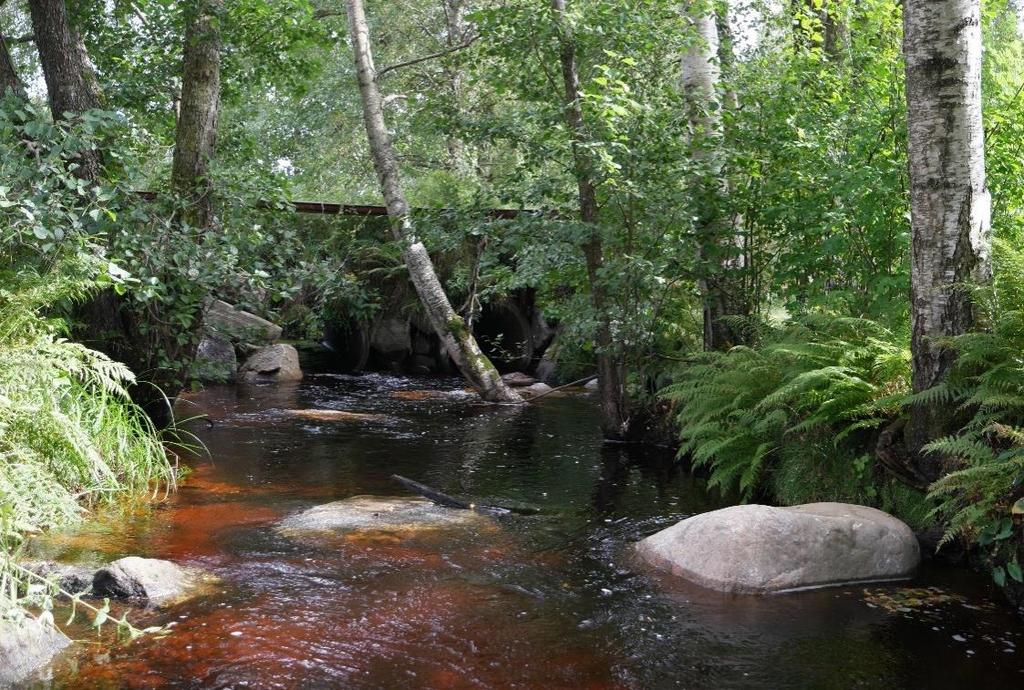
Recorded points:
549,600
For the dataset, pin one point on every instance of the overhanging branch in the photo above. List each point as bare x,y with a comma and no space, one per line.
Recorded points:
433,56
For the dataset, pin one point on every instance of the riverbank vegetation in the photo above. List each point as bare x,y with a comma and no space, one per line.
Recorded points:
726,209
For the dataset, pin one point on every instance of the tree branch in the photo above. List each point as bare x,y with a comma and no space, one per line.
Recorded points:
433,56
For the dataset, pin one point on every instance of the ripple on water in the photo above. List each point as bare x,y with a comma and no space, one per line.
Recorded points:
551,600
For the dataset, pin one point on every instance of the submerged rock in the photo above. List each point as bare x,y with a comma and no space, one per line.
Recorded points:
534,390
380,513
333,415
759,549
73,579
26,645
272,363
147,579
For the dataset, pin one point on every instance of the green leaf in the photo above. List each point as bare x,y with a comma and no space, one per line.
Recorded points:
999,575
1013,568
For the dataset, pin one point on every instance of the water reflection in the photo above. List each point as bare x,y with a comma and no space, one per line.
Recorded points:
548,600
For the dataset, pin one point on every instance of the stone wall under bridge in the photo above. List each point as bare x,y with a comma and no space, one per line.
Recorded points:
511,332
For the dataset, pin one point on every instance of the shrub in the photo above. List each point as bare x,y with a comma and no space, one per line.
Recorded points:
795,417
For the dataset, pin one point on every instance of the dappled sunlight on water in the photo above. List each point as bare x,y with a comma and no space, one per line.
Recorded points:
547,600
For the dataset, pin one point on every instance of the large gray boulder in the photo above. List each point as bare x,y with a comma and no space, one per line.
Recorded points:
26,645
759,549
225,321
150,580
377,513
215,361
272,363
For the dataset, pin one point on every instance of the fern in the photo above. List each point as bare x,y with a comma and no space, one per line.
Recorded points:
987,453
736,411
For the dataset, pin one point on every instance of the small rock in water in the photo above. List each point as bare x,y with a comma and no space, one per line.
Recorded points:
272,363
518,379
73,579
535,390
151,580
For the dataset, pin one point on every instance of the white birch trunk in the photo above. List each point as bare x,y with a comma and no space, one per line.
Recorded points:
950,204
720,286
449,326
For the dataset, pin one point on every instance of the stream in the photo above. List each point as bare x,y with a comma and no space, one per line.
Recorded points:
549,600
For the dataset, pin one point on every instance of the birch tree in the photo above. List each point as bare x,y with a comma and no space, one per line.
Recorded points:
614,421
719,278
950,204
458,341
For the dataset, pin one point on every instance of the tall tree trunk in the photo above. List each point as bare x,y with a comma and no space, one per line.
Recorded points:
196,134
614,422
70,81
459,158
449,326
719,269
836,33
9,80
950,204
103,322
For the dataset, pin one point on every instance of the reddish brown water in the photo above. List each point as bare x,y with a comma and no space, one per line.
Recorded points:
545,601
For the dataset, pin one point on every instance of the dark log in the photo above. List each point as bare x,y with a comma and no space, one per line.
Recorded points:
434,495
443,499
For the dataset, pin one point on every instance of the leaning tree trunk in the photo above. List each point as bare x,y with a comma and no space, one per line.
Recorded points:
950,204
70,83
449,326
719,275
196,134
614,422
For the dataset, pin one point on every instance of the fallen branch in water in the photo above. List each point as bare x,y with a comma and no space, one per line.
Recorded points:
434,495
579,382
443,499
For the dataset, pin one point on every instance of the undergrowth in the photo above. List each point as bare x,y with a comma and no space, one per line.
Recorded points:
794,418
69,435
982,498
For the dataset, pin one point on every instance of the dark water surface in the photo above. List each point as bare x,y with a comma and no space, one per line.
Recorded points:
551,600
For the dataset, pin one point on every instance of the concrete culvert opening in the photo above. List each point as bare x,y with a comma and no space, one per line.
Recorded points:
349,344
504,335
